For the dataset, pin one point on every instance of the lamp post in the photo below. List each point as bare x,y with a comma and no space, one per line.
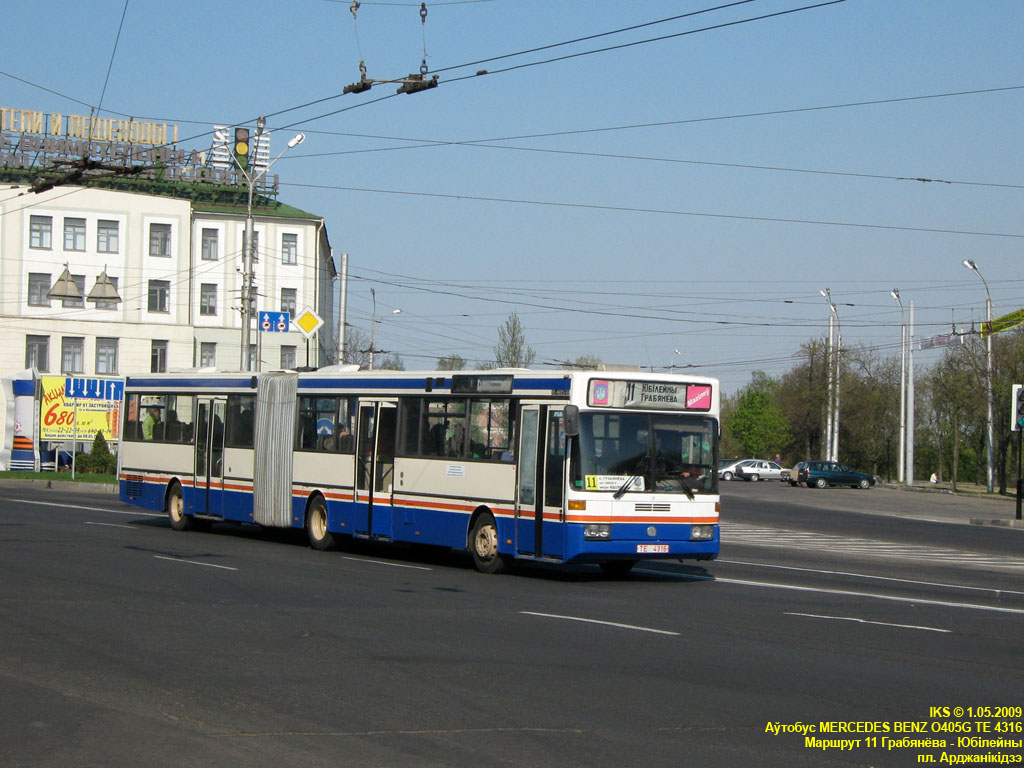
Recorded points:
989,434
249,251
375,322
832,420
895,293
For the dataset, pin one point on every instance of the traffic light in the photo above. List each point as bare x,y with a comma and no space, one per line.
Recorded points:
241,148
1017,407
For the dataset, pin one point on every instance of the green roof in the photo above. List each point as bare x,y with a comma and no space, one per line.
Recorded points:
208,198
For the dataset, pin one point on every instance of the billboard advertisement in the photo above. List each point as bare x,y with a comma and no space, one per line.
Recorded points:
59,413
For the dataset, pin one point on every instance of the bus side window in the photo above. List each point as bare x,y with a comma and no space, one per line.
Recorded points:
555,460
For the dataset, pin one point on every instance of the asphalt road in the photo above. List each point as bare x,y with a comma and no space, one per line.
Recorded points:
123,643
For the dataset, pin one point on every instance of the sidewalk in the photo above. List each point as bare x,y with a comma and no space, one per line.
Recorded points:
1003,506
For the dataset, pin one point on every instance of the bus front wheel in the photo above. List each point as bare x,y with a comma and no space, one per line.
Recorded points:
483,543
175,508
316,525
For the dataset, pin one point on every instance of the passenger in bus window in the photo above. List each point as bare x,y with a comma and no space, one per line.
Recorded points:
172,430
151,420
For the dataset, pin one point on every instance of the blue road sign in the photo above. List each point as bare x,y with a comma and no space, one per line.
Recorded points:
275,322
94,389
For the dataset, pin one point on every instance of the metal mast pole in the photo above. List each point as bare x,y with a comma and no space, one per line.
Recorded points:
910,399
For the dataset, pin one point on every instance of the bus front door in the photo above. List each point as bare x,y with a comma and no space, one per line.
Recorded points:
375,469
540,521
208,498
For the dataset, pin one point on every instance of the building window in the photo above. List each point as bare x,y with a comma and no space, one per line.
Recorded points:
159,295
158,357
207,354
209,244
159,239
80,282
288,300
72,354
40,229
208,299
108,304
106,236
37,353
289,248
74,234
288,356
38,287
106,356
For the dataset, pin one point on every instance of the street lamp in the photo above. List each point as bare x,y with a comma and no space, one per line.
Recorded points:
248,252
375,322
902,385
832,423
989,436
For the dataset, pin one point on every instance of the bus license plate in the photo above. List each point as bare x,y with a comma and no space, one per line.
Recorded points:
652,547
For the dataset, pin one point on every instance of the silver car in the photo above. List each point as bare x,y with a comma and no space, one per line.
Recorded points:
756,469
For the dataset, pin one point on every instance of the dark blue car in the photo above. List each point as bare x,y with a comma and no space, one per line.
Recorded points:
819,474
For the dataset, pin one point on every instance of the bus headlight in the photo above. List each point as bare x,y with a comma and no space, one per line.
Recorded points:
702,532
597,532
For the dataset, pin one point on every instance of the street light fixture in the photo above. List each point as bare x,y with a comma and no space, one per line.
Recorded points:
989,435
895,293
248,252
375,322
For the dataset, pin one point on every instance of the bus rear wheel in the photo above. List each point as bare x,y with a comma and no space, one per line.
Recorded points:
175,508
483,543
316,525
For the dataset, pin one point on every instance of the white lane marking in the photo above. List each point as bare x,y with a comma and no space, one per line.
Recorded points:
134,513
866,621
767,536
110,525
596,621
893,598
841,592
870,576
195,562
385,562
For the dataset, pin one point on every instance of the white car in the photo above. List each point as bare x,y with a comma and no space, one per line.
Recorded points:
756,469
727,467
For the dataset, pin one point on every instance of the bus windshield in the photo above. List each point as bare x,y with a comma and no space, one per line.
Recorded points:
646,452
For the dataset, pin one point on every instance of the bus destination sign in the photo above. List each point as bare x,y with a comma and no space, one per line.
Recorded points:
655,395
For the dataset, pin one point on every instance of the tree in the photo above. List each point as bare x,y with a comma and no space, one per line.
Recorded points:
512,350
587,362
451,362
357,348
99,459
392,362
755,422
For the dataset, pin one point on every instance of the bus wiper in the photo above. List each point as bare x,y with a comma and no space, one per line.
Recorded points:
640,467
686,488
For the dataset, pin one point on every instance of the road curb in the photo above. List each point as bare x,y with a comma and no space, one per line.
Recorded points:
60,485
1018,524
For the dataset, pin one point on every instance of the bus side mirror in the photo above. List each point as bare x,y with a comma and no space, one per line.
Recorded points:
571,415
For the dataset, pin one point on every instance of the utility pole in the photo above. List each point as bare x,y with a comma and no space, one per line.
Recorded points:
342,302
249,251
910,400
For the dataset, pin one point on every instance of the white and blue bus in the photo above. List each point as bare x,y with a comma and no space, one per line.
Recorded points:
553,466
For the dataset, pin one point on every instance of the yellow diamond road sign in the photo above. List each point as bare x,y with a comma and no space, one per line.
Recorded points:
308,322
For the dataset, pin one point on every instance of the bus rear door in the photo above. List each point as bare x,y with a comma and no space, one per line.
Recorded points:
375,469
540,519
208,498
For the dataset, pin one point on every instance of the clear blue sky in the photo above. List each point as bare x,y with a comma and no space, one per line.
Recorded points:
611,199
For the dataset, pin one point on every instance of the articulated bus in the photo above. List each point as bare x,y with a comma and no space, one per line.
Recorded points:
511,464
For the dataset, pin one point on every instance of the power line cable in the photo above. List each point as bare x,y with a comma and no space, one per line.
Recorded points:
662,211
